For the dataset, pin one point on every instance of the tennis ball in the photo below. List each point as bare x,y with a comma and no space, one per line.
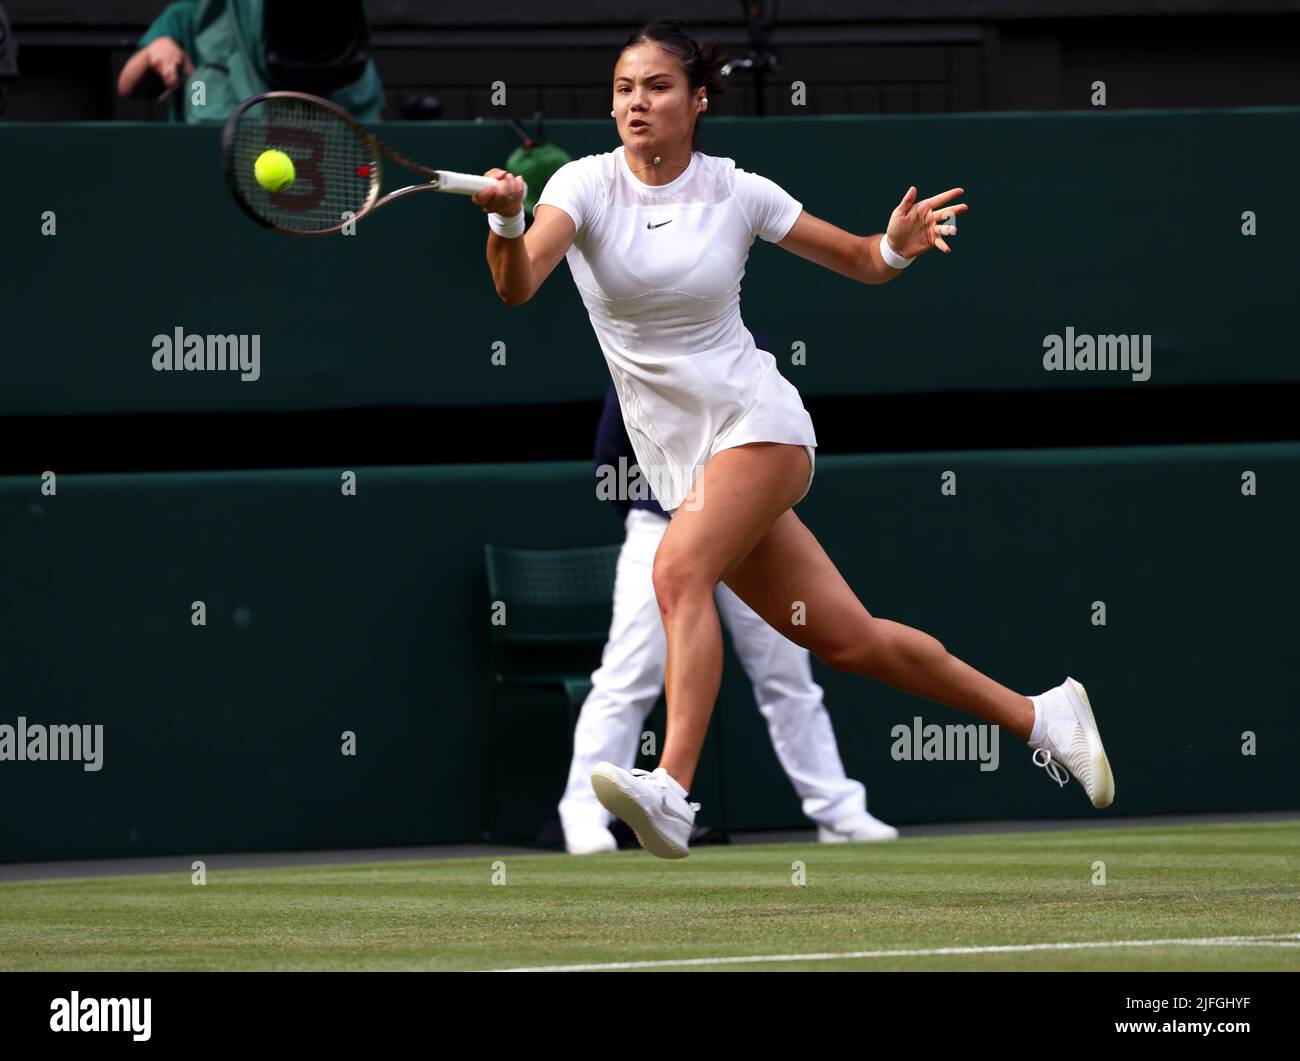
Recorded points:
274,170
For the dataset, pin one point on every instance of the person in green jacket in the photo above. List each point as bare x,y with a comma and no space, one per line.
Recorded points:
222,46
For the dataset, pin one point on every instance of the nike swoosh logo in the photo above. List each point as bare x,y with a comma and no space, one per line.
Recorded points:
667,811
660,225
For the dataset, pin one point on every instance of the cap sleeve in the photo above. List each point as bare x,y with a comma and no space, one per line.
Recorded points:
571,189
771,210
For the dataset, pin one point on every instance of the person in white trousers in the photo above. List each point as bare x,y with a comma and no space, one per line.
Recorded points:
630,678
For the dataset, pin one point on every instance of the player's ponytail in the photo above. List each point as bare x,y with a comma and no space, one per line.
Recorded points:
703,61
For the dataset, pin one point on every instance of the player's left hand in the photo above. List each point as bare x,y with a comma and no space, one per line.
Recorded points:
917,225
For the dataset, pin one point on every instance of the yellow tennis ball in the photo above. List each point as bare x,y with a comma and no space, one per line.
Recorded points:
274,170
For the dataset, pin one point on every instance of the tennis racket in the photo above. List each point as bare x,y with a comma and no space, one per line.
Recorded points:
336,162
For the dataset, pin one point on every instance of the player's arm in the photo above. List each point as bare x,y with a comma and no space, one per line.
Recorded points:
857,257
914,227
520,265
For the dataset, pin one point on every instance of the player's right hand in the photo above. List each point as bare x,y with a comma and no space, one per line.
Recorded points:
506,197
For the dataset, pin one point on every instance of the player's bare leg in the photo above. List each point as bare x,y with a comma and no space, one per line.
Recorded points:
696,548
745,532
790,581
788,575
740,493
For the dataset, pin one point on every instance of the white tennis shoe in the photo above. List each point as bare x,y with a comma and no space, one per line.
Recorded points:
856,829
653,805
1071,740
589,840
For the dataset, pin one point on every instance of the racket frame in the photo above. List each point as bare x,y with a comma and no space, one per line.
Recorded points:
447,181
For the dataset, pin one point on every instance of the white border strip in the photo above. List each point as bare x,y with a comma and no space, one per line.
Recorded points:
1291,939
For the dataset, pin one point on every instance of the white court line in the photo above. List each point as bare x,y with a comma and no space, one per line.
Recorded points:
1291,939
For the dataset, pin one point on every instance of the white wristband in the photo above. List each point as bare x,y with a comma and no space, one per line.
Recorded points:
892,258
509,227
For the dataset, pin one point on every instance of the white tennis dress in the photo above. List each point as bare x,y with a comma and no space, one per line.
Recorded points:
659,271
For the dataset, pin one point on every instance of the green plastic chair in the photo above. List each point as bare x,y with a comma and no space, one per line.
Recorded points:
558,604
557,609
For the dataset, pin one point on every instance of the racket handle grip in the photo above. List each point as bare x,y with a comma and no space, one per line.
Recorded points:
464,183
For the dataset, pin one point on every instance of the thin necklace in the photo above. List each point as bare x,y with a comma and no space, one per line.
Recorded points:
655,163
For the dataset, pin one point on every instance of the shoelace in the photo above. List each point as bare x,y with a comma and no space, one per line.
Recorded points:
660,782
1054,769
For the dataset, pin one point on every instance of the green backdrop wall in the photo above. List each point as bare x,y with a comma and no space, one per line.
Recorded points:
370,614
1110,223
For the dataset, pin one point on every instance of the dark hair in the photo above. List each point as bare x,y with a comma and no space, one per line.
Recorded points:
702,61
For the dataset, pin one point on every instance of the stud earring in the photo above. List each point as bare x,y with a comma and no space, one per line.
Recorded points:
611,114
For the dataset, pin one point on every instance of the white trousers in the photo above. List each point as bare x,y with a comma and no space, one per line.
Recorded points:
630,678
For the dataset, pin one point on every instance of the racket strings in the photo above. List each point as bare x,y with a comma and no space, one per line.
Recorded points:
335,171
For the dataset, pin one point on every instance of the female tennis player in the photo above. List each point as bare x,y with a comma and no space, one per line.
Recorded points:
657,234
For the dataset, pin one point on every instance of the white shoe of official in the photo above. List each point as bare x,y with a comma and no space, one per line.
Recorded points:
653,805
589,840
1071,740
856,829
